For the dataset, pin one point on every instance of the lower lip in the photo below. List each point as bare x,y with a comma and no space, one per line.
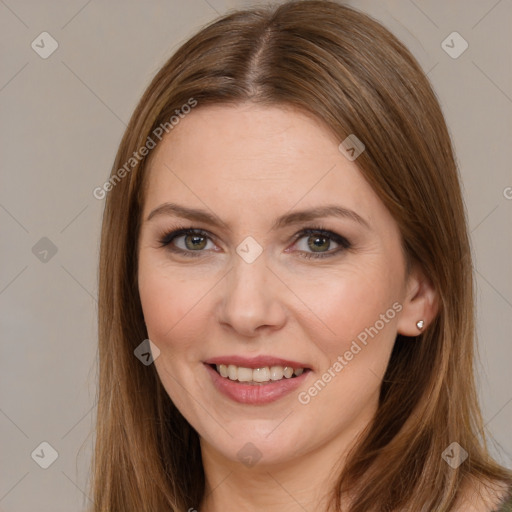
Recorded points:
255,394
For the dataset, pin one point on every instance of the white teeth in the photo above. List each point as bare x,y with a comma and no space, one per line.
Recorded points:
259,374
245,374
264,374
232,372
288,372
276,372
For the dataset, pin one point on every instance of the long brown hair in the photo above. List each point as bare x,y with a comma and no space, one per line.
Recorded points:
351,73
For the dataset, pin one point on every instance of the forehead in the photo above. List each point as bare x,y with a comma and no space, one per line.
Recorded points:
232,135
248,157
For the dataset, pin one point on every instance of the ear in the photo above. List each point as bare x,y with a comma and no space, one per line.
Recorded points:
421,303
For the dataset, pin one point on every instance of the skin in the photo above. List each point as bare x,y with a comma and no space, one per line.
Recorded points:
248,165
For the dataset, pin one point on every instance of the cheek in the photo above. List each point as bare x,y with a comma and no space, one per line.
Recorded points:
167,303
361,314
347,304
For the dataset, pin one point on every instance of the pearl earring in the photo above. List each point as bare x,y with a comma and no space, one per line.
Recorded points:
420,324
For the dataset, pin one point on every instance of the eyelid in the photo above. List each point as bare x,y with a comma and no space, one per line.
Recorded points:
168,236
343,243
339,239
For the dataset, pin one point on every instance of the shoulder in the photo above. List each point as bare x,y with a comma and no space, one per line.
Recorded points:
478,496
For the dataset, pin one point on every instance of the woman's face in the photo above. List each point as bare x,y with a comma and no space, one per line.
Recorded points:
258,294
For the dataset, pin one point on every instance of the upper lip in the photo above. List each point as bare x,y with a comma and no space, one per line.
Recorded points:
255,362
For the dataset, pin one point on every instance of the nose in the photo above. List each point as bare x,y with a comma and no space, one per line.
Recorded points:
252,298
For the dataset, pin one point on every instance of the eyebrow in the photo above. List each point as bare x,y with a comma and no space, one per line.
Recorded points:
287,219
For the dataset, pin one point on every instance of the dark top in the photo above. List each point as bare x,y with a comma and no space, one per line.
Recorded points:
506,506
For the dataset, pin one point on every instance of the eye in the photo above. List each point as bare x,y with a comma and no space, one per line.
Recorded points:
192,241
319,240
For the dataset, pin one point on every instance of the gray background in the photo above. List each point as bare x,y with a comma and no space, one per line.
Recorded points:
62,119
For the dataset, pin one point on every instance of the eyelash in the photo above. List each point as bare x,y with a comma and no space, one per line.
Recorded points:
166,239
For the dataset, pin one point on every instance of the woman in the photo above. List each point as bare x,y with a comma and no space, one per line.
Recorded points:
284,222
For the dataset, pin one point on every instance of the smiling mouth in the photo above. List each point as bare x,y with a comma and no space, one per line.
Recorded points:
257,376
